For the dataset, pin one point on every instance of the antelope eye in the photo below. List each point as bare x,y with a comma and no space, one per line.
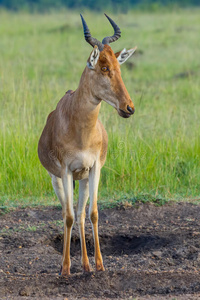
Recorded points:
104,69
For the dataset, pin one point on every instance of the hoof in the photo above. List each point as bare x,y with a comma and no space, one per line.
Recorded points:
64,272
86,268
100,267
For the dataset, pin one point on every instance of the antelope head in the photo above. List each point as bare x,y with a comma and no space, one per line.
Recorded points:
104,71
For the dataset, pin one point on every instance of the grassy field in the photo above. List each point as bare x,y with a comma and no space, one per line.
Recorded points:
155,154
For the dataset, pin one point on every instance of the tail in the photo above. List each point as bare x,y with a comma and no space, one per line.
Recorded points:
74,184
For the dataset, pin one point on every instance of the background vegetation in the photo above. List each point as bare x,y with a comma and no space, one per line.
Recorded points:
155,154
114,5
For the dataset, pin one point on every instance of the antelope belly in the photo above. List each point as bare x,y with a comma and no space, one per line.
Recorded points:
82,163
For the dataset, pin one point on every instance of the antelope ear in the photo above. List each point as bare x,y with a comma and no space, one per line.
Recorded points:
124,55
94,56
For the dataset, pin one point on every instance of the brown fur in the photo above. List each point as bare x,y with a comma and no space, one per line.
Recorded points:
74,143
73,126
60,142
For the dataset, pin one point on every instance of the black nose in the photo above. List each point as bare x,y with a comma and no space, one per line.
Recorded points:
130,110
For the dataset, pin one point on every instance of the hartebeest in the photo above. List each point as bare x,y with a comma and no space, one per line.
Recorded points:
73,144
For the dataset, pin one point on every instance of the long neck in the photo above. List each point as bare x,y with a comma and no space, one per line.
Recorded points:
85,108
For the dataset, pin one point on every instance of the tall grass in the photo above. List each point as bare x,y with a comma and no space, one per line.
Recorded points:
155,153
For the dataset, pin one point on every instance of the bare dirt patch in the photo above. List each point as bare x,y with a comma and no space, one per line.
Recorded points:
149,252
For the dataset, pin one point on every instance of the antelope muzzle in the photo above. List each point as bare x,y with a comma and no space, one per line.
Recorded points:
126,113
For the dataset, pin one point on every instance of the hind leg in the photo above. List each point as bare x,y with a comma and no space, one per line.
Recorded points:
93,212
83,197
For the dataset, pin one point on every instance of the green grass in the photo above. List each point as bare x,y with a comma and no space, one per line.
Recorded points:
154,154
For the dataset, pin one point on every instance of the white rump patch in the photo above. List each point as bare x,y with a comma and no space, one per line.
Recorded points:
125,54
93,58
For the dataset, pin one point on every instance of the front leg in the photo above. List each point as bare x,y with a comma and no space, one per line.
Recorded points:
93,212
68,218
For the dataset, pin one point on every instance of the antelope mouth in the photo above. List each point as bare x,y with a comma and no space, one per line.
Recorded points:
124,114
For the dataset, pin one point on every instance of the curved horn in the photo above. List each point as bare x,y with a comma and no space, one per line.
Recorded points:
92,41
117,32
